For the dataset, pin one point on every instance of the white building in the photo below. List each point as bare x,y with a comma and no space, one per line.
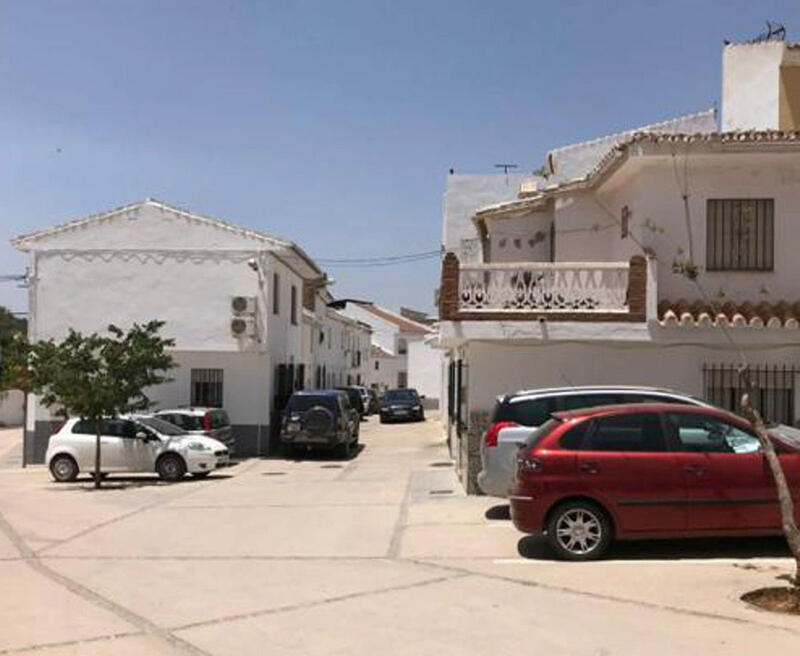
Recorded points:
403,355
231,297
580,278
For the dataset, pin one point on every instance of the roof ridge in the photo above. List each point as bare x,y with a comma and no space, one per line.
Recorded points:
399,317
619,149
164,206
644,128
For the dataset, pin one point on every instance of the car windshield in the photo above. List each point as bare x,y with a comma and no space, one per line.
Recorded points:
394,396
161,426
301,403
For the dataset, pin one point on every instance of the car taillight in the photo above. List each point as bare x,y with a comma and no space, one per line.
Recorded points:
205,422
490,438
59,426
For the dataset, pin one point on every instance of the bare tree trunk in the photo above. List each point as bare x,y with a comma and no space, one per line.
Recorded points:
97,456
788,522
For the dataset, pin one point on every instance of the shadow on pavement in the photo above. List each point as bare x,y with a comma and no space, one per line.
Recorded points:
321,455
535,547
501,511
86,484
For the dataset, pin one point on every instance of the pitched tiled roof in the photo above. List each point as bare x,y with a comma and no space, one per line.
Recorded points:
405,325
380,352
617,153
701,314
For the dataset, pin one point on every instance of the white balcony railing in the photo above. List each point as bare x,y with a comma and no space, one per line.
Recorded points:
544,287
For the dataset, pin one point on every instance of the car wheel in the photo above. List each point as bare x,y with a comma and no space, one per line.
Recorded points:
579,530
171,467
200,474
64,469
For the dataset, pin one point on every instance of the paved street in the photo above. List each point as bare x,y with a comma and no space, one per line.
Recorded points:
379,555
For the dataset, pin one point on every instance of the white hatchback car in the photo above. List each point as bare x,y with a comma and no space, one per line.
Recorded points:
132,443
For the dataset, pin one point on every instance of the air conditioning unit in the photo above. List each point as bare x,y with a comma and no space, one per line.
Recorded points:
243,305
243,327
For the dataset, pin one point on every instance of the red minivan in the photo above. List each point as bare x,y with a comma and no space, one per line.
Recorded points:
646,471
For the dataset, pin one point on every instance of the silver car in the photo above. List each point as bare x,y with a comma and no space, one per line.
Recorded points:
516,417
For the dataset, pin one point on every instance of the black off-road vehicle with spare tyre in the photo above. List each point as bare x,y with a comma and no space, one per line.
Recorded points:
320,419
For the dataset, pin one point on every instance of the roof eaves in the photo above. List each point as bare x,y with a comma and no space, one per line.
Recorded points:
21,241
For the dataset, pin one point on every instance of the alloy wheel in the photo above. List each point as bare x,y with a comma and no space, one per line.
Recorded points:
579,531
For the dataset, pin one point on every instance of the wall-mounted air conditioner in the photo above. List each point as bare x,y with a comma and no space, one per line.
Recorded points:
242,327
243,305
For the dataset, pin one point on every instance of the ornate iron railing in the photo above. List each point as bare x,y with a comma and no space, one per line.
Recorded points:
544,287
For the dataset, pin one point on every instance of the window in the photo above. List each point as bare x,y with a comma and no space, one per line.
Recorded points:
402,346
207,387
113,427
624,221
276,294
294,305
773,390
637,432
527,412
402,379
573,438
577,401
377,365
698,433
740,234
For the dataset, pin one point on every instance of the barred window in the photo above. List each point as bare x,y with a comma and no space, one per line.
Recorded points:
740,234
207,387
773,390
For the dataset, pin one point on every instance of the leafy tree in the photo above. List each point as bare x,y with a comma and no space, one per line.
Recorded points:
99,376
10,324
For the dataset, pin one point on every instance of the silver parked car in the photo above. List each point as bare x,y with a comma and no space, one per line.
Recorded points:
517,415
196,420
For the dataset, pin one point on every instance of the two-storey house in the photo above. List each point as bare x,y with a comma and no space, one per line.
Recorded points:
660,256
231,298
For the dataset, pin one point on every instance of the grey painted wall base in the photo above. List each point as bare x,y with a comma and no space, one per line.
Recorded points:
246,436
249,443
36,440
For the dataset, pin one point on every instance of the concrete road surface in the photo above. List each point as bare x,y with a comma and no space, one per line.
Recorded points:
382,554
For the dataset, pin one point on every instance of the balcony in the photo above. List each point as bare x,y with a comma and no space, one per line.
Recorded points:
562,291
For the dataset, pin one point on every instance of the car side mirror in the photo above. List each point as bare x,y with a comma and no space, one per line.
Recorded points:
421,396
141,435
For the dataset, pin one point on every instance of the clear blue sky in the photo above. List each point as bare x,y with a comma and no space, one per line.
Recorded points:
330,123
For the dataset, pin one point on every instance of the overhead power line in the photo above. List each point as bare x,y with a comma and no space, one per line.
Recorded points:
380,261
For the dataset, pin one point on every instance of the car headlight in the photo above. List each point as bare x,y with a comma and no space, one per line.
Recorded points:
199,446
417,407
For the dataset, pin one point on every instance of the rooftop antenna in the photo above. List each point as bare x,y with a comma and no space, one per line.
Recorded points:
774,32
505,167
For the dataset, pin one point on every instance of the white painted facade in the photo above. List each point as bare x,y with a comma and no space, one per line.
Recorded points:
150,261
12,409
414,363
571,230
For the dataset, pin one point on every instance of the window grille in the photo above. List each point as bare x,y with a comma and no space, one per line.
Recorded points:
206,387
740,234
773,390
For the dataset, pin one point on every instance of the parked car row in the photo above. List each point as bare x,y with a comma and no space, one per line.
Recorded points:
198,440
585,466
330,419
133,443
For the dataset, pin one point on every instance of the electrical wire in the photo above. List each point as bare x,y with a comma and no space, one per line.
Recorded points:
380,261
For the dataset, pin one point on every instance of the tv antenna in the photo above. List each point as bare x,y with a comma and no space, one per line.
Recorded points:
774,32
505,167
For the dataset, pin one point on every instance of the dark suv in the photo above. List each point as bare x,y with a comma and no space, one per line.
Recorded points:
356,399
320,419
